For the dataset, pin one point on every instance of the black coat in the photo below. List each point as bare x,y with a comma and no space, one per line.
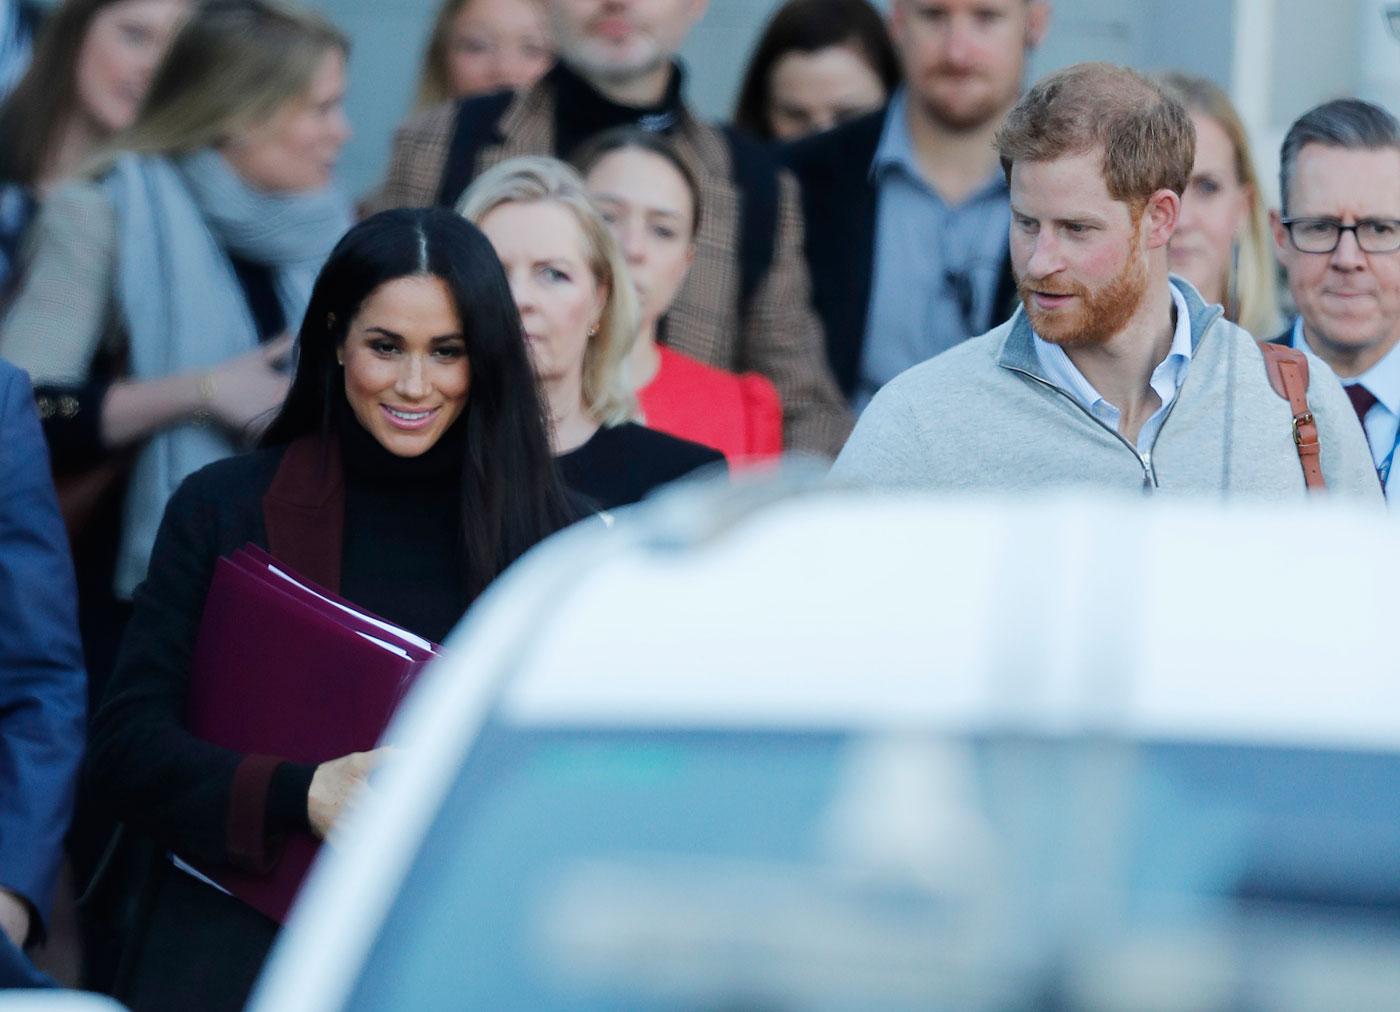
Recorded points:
840,206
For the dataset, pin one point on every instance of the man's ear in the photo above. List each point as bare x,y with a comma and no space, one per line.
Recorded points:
1280,233
1160,215
1037,22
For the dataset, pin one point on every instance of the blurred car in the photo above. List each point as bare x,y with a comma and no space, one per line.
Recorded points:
750,751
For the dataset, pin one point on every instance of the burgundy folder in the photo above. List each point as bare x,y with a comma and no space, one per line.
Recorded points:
283,667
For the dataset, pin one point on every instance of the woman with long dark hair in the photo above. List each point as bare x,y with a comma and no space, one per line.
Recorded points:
408,467
817,64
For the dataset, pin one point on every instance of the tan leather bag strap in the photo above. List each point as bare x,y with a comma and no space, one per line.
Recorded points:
1288,375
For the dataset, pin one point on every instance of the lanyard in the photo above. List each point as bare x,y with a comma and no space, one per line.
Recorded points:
1383,471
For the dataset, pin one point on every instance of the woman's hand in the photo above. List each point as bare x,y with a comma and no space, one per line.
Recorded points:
335,786
244,391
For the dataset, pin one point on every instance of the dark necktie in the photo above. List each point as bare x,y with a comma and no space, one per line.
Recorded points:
1362,400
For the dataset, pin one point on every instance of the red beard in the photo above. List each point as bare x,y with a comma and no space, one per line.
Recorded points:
1095,315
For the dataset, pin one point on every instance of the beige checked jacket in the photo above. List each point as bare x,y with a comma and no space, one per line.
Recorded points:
780,335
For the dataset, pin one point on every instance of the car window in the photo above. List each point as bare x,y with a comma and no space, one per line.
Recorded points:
614,869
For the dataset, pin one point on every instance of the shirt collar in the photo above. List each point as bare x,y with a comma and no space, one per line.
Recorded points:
1166,376
896,147
1382,379
895,153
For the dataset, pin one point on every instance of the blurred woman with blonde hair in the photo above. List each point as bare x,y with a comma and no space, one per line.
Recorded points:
480,46
1222,243
580,317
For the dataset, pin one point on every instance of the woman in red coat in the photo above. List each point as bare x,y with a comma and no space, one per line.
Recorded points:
650,199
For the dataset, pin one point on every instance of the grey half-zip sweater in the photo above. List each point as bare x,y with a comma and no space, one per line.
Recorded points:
984,416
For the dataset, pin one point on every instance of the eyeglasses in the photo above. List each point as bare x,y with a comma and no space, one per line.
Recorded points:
1323,235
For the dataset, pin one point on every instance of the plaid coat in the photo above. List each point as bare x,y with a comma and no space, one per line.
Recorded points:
779,335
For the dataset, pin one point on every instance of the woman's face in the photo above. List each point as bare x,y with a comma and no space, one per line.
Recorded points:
1214,210
544,253
498,44
119,55
649,208
406,369
296,148
811,92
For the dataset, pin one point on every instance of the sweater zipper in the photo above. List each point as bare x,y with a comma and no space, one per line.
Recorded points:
1149,471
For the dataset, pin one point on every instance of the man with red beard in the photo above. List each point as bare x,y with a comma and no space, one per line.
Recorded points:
1111,374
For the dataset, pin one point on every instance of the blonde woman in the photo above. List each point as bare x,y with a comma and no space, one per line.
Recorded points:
1222,243
580,317
480,46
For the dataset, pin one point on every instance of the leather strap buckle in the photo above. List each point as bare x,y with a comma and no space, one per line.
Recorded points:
1306,418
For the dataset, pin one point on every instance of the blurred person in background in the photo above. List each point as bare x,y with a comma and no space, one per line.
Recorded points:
153,307
407,469
906,208
90,72
818,64
1115,375
152,314
1338,238
651,202
19,24
579,312
43,691
746,304
480,46
1222,243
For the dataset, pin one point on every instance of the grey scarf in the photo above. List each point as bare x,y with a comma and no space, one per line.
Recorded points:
183,307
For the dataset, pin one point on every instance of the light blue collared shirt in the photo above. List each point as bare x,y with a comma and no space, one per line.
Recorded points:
1382,422
1165,382
936,266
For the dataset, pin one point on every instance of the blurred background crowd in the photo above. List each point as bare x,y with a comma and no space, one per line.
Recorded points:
724,227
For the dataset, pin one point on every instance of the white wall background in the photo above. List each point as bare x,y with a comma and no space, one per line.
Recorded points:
1278,57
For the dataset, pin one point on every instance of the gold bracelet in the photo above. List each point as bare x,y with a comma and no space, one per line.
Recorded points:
204,413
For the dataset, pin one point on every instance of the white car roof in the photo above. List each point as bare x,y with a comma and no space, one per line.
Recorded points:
830,609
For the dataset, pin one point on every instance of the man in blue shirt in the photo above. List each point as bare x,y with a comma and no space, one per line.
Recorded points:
906,209
1338,237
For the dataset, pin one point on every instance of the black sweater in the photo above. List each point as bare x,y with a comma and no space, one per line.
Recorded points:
622,464
401,559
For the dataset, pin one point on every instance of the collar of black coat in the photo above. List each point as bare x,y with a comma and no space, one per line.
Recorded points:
581,110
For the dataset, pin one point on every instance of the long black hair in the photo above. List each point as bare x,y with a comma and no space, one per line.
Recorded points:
806,26
512,496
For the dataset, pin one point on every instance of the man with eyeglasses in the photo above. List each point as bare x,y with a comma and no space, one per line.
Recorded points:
1338,238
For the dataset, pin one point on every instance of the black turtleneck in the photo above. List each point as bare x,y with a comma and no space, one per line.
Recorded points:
581,110
403,557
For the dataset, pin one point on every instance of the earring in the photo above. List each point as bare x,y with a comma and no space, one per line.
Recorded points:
593,330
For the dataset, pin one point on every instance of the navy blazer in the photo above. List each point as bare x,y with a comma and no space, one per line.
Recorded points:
43,685
840,208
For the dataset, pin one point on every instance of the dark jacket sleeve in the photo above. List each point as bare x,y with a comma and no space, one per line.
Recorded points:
72,420
202,801
43,686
